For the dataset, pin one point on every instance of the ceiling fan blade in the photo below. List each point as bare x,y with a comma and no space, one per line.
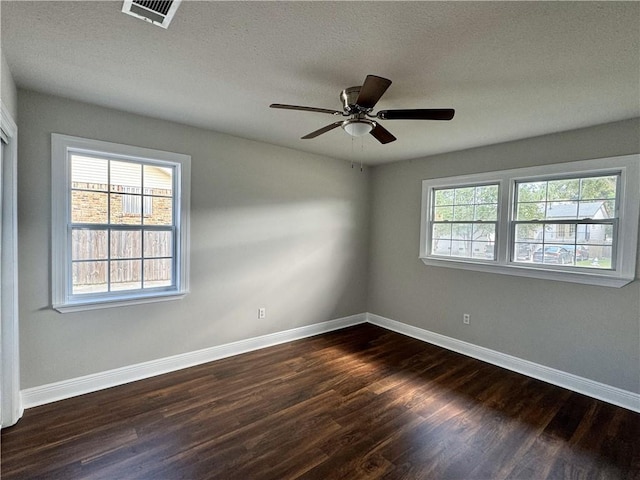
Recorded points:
417,114
371,91
322,130
382,134
305,109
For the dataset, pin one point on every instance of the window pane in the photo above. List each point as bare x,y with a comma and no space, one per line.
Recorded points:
484,231
581,255
599,210
553,254
562,211
444,197
131,203
157,273
529,232
598,252
487,194
595,233
88,244
126,244
565,189
523,251
461,231
159,211
118,216
608,234
532,191
89,277
461,248
463,213
531,211
158,181
89,173
126,275
559,233
88,207
125,174
484,250
441,246
160,244
464,195
599,188
486,212
443,213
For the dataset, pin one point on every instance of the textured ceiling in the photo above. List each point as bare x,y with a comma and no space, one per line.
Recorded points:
510,69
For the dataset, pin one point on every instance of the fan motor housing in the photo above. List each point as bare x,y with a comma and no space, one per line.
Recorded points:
348,98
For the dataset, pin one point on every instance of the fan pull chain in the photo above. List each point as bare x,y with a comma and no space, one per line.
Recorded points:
351,152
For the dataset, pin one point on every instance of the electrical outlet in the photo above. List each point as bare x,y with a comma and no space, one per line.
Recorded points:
262,313
465,318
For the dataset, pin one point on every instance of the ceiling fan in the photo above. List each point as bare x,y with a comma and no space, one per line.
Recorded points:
358,103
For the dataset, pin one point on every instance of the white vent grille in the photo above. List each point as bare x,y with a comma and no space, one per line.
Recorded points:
158,12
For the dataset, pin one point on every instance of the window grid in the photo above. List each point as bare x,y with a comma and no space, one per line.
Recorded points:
464,221
566,230
111,259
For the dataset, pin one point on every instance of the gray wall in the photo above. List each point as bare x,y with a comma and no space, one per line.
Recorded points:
290,231
8,92
270,227
589,331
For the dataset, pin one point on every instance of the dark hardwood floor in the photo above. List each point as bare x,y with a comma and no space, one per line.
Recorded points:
360,403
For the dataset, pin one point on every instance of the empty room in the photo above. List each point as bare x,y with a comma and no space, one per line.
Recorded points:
319,240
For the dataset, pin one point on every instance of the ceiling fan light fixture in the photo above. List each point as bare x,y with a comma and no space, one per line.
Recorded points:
357,127
358,103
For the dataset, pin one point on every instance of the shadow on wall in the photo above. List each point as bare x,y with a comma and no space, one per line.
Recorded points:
298,260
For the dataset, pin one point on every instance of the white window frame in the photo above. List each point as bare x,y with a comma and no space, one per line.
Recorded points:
623,271
62,146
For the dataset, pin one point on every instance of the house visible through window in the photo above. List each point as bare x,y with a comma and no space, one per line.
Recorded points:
574,222
132,202
569,221
124,236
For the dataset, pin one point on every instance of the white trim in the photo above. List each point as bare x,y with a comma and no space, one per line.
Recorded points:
627,241
52,392
591,388
114,302
11,407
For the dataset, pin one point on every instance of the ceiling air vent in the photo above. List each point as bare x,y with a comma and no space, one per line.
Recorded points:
156,12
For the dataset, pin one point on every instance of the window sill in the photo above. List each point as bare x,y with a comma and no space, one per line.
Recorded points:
93,304
600,278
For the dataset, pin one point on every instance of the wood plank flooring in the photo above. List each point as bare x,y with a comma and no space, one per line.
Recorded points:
360,403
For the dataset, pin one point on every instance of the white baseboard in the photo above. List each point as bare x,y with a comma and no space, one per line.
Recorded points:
32,397
52,392
591,388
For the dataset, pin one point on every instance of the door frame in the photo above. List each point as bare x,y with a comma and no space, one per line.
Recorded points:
10,404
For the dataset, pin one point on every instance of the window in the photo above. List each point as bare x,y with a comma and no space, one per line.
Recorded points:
569,221
464,221
120,224
574,222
